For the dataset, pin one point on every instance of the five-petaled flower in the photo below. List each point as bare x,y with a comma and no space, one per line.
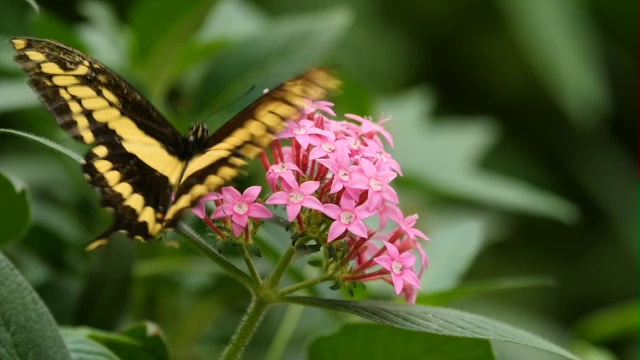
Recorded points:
295,197
238,208
347,216
400,266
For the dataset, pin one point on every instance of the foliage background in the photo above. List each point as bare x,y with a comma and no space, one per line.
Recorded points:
515,122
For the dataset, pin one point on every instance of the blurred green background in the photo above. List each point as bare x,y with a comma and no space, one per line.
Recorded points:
515,123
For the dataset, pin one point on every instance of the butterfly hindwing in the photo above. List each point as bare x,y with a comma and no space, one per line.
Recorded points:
145,170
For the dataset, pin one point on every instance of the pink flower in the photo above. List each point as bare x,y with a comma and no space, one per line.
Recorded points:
200,209
341,168
375,152
347,217
326,147
369,128
400,266
295,197
240,207
302,131
377,182
284,171
407,224
323,106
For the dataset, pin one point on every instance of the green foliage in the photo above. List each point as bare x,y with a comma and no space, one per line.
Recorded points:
435,320
27,330
377,342
534,185
15,211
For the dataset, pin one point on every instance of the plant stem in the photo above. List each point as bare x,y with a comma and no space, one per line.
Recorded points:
211,253
285,330
304,284
283,264
247,328
250,264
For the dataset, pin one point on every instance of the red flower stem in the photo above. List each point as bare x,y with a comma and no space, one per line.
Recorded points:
370,276
300,221
213,227
265,161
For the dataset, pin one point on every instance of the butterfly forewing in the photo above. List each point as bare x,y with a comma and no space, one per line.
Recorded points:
134,160
246,135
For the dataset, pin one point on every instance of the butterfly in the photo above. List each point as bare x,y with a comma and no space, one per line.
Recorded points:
145,170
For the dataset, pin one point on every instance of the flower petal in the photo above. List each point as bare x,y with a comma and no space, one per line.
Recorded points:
292,211
278,198
397,282
259,211
251,193
336,229
312,203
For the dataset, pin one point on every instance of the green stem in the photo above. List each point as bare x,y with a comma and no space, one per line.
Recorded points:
212,254
304,284
247,328
283,264
250,264
285,330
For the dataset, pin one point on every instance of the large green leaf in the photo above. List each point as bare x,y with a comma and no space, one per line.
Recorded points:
373,342
562,46
143,341
106,38
81,347
450,151
15,95
611,323
435,320
162,30
27,329
14,212
483,287
289,46
451,253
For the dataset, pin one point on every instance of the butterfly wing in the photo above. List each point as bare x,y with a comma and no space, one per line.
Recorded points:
134,161
245,136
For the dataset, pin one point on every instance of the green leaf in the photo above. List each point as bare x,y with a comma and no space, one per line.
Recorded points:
142,341
16,95
34,5
162,29
44,141
452,253
610,323
14,212
449,155
222,22
81,347
106,38
435,320
150,337
287,48
560,41
27,329
483,287
373,342
104,297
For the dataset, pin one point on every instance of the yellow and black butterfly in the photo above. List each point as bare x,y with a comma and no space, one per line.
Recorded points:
146,171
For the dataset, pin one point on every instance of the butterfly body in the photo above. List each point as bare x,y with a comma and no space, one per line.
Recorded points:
145,170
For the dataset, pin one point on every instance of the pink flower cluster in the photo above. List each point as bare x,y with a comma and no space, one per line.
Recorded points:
339,169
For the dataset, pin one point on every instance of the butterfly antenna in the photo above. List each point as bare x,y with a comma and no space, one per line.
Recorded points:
220,107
